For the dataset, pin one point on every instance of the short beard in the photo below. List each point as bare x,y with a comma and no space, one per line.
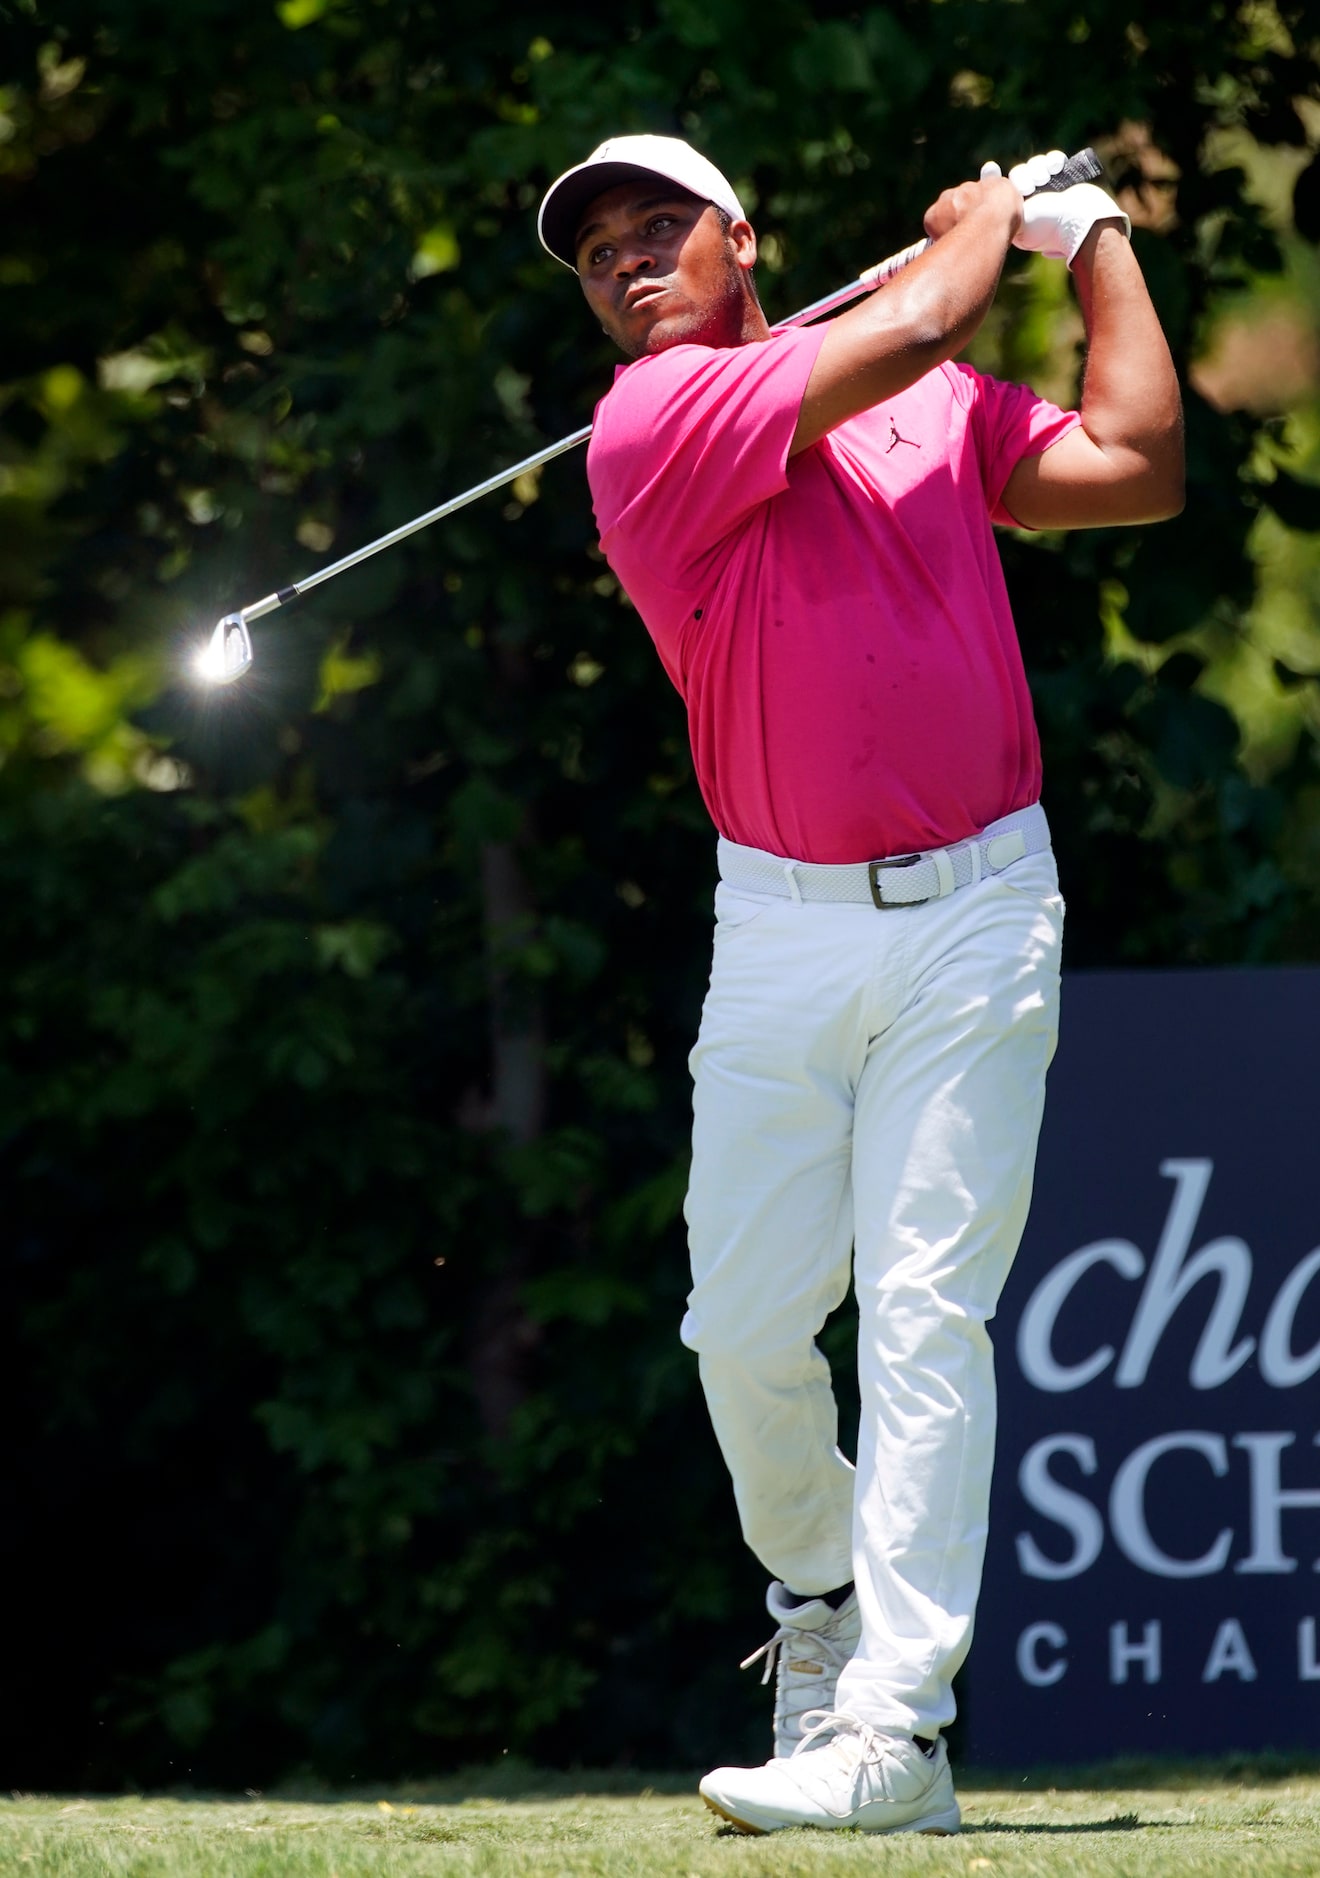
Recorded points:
725,316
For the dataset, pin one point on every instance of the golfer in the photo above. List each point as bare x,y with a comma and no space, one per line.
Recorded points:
805,522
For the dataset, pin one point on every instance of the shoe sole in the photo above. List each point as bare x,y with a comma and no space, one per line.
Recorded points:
760,1832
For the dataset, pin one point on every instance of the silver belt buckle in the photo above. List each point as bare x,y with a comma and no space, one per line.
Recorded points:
874,869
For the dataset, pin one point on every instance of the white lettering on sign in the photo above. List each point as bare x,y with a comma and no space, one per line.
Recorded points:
1127,1507
1308,1670
1268,1501
1030,1668
1174,1273
1036,1357
1172,1276
1068,1508
1229,1655
1123,1651
1041,1662
1278,1365
1072,1511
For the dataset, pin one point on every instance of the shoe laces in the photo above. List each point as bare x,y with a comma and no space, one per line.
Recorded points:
832,1647
804,1682
820,1724
880,1765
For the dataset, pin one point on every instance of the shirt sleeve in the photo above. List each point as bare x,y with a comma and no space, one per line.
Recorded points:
1010,422
689,442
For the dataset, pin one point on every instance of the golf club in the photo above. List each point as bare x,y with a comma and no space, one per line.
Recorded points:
228,654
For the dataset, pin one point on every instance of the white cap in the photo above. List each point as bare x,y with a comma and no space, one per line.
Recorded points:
616,161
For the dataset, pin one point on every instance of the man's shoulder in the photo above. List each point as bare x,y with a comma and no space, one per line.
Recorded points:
667,398
704,431
974,388
960,381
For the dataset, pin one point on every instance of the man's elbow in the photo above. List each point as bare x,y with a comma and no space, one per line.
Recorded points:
1168,466
1168,497
1148,471
1171,478
1155,481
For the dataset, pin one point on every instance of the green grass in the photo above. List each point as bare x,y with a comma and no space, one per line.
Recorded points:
1260,1818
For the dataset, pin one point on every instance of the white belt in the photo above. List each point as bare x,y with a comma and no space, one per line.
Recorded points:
902,879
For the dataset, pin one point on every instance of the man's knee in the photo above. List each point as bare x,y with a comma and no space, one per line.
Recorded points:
771,1347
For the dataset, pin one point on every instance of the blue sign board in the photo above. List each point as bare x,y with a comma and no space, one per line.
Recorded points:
1153,1575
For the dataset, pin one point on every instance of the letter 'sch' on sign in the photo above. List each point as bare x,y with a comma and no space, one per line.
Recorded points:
1152,1578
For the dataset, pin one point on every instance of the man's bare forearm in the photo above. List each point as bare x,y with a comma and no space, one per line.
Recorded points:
1131,406
1125,463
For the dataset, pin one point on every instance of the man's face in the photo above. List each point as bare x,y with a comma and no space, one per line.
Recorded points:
658,270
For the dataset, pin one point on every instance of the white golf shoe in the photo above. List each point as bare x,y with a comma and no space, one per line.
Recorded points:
842,1773
805,1655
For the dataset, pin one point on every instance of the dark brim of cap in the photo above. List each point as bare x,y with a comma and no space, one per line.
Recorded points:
564,208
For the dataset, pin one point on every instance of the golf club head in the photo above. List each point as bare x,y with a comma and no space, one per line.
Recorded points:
228,654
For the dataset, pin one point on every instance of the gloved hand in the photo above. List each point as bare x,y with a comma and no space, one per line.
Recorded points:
1056,222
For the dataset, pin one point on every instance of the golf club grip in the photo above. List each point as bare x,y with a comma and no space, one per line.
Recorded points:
1084,167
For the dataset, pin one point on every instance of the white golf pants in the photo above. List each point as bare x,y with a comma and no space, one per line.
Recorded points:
868,1089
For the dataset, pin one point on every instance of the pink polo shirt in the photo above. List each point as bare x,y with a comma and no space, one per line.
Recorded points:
837,625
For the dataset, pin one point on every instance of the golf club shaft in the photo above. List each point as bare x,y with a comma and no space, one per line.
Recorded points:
865,283
1079,168
491,484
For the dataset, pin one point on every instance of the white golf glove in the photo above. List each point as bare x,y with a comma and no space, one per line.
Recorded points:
1056,223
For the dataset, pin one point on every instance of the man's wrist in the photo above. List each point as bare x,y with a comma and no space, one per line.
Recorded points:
1115,225
1008,202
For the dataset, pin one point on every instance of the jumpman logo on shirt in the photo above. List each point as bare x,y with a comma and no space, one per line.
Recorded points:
895,438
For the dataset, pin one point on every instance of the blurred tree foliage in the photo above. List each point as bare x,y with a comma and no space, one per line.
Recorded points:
343,1099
